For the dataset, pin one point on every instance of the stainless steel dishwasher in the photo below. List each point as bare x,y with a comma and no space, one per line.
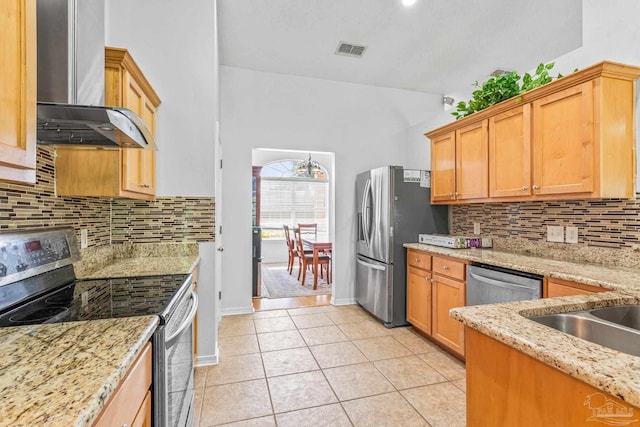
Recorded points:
488,285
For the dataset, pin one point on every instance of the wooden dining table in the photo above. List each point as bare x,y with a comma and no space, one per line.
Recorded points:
320,244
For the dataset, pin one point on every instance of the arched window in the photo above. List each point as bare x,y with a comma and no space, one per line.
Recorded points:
292,192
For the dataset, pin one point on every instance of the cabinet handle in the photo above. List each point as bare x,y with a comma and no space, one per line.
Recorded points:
433,280
525,188
535,187
450,194
144,185
445,267
457,193
417,260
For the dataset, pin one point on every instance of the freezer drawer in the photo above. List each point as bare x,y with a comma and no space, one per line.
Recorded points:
373,287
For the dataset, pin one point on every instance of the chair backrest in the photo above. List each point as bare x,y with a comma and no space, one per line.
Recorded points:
298,240
287,235
309,229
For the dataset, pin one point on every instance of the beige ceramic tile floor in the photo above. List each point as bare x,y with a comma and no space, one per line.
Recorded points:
327,366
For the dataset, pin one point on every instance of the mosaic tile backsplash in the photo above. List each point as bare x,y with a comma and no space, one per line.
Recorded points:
608,230
167,219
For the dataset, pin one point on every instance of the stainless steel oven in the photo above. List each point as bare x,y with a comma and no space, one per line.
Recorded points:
173,361
38,285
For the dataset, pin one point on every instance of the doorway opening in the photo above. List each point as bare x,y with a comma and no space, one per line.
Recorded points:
291,188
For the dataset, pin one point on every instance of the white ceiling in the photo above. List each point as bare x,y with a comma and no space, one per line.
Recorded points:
435,46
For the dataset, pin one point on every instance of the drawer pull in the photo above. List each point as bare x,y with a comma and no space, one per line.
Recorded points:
445,267
525,188
535,187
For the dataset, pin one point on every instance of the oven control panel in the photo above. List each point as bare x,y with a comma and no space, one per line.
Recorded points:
27,254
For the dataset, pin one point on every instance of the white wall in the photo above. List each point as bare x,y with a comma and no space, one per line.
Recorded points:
363,125
174,43
611,32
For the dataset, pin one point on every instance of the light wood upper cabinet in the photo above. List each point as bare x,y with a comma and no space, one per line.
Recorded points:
125,172
459,164
563,142
471,161
510,153
18,69
443,167
573,138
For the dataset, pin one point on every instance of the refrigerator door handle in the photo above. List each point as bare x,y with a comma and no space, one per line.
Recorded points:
365,213
368,265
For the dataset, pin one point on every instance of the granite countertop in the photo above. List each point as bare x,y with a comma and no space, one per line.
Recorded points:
62,374
135,260
152,266
609,370
619,278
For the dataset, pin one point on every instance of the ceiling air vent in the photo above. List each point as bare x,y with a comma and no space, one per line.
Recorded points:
500,72
350,49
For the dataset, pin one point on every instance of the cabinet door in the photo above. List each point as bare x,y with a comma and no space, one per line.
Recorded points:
419,299
448,294
443,167
18,90
561,288
472,158
510,153
563,142
138,173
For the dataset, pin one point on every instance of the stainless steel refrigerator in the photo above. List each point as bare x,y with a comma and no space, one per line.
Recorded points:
393,207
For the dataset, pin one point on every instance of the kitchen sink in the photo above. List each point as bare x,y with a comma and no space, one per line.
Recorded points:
625,315
617,328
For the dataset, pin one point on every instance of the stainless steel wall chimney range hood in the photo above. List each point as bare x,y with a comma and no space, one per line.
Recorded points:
71,41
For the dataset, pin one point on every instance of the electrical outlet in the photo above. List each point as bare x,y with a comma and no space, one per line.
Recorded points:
555,233
571,235
84,238
476,228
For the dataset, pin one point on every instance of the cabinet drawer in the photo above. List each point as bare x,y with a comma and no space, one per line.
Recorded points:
419,259
448,267
125,403
562,288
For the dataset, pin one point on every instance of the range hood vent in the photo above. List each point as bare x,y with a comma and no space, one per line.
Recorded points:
64,124
71,41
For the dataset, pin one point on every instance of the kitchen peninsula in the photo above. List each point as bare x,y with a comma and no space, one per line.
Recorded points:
517,369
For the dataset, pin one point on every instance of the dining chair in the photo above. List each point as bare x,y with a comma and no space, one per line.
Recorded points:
306,259
291,248
309,229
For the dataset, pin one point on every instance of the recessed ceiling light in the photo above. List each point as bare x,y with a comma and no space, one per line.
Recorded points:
408,3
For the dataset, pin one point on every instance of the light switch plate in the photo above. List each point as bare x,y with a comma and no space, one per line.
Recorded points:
84,238
571,235
555,233
476,228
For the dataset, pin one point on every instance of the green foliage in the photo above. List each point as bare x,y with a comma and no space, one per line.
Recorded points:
502,87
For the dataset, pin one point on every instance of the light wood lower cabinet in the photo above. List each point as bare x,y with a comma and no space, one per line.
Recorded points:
18,69
419,312
506,387
553,287
130,404
436,284
447,294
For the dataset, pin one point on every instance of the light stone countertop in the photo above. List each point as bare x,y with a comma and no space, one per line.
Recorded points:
136,260
609,370
619,278
137,267
62,374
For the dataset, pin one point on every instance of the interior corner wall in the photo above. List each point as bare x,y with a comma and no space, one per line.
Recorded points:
175,45
363,125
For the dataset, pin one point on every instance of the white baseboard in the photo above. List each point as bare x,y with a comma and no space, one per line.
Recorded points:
344,301
202,361
236,310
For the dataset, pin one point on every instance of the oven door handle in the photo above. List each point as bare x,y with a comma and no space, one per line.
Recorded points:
188,320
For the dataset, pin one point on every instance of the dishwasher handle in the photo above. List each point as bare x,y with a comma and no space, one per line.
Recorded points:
499,283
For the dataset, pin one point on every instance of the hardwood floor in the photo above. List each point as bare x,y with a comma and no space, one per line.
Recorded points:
262,304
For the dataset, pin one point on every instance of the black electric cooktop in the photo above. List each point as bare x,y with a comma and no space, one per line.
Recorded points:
95,299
